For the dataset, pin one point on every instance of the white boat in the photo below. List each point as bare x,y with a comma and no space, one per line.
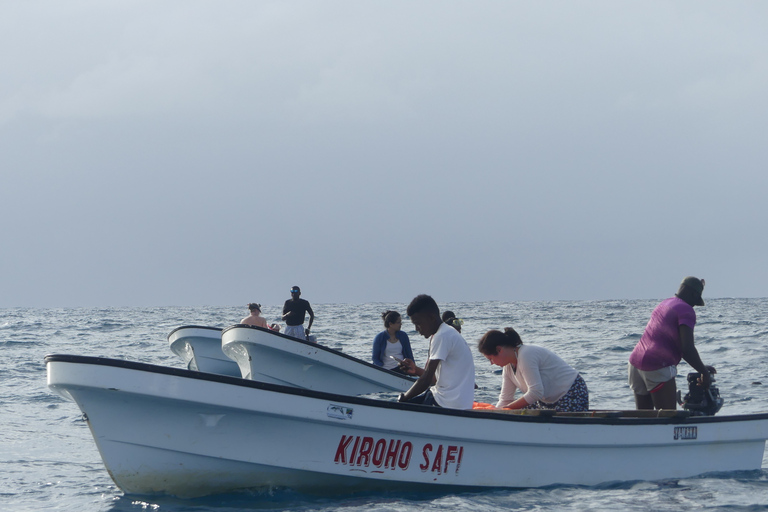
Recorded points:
268,356
163,430
200,349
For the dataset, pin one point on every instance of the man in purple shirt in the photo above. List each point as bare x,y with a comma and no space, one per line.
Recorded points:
667,339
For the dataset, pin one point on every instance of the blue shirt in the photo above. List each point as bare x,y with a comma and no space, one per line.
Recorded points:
380,345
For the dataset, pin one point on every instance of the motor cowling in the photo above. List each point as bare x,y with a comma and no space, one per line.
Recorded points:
700,401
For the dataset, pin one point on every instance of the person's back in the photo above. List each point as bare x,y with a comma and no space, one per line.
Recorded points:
455,386
255,319
660,344
541,375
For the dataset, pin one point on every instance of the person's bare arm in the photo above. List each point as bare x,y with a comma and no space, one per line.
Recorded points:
426,380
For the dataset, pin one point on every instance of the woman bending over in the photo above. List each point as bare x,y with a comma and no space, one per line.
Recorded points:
545,380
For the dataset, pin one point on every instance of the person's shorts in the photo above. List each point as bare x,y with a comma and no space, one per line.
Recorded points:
647,382
296,331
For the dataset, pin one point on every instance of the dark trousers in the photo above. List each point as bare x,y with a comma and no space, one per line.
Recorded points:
425,398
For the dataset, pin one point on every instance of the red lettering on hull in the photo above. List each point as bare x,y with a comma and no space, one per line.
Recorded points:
394,453
341,451
425,453
364,459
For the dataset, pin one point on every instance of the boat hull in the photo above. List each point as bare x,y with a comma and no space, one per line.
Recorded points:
169,431
200,349
267,356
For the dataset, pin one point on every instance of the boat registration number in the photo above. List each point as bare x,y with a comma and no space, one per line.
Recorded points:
682,433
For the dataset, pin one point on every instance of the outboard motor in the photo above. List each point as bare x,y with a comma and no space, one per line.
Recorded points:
700,401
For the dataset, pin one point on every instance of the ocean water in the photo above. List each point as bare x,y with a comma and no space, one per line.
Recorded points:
50,462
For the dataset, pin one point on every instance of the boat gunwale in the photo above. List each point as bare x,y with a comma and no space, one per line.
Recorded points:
220,329
568,418
321,347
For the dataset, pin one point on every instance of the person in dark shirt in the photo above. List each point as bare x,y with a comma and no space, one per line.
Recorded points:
294,313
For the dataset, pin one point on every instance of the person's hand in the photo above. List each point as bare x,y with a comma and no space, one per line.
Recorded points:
401,398
704,380
306,332
408,366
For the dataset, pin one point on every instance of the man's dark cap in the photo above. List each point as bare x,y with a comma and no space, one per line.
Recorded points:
695,285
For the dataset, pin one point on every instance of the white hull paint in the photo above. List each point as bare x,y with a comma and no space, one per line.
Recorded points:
200,349
267,356
171,431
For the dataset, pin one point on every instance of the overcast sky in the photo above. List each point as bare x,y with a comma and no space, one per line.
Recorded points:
216,153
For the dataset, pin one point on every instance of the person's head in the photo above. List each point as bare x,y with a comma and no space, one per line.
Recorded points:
449,317
254,308
494,341
295,292
690,291
392,318
425,315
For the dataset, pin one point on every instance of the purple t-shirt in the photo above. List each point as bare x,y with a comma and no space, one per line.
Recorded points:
659,346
